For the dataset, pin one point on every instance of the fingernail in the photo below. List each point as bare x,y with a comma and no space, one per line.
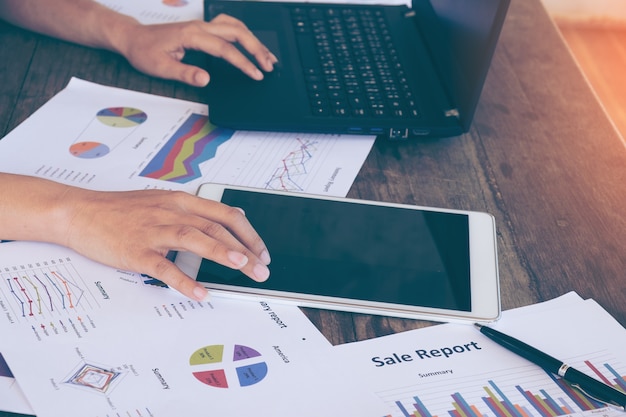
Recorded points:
265,257
201,79
257,74
238,259
201,294
261,272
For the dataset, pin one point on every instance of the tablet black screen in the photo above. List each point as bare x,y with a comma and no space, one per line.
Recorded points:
356,251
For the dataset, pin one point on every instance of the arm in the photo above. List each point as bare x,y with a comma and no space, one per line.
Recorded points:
154,49
132,230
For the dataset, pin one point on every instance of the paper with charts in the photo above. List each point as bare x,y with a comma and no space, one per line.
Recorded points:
88,340
167,11
158,11
11,396
453,370
108,138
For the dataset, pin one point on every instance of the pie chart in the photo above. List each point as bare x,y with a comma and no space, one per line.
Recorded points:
223,366
121,116
175,3
89,150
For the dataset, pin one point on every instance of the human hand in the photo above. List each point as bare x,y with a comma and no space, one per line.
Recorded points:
158,49
134,230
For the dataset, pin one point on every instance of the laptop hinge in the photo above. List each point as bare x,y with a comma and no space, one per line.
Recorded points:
452,113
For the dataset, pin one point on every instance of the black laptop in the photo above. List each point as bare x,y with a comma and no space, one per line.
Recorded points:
386,70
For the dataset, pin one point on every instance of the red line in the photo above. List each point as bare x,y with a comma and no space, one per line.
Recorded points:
597,372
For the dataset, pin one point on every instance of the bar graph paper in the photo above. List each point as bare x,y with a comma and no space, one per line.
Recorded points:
518,392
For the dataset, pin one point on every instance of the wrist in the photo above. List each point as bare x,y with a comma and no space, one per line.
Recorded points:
120,33
34,209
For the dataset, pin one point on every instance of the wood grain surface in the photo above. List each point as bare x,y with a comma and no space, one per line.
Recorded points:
541,156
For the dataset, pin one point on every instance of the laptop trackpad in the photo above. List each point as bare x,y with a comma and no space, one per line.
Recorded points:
269,38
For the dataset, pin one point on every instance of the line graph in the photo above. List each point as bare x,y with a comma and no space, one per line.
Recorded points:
45,290
42,291
293,167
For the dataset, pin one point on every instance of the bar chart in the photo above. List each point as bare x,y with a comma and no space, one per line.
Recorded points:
518,392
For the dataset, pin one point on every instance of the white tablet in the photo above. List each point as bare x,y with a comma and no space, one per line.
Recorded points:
363,256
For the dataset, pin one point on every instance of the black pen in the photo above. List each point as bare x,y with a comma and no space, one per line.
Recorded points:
589,386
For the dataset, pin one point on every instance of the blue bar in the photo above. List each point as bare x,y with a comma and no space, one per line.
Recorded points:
421,408
401,407
467,409
509,405
553,405
618,378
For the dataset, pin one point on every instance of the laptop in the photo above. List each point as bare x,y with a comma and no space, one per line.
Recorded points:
386,70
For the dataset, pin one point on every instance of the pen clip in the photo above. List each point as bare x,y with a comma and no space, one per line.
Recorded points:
593,397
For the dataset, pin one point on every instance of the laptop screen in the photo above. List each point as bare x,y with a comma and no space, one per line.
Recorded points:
462,44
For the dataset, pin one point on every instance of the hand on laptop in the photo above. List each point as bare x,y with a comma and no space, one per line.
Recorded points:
132,230
159,49
154,49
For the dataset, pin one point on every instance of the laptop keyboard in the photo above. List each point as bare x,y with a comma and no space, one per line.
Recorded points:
350,65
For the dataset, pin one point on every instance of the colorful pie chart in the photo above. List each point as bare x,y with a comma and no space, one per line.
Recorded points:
121,116
226,367
89,150
175,3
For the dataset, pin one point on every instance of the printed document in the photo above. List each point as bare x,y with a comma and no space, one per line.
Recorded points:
88,340
107,138
453,369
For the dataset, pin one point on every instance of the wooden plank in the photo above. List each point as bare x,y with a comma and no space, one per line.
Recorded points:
16,48
600,51
541,156
557,163
56,62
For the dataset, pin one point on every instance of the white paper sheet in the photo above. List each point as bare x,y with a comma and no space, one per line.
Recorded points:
451,368
88,340
158,11
12,398
166,11
107,138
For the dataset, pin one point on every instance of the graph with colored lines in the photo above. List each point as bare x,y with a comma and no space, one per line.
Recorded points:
94,378
293,167
196,141
523,392
45,291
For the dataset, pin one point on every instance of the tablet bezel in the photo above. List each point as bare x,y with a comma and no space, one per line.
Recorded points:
484,280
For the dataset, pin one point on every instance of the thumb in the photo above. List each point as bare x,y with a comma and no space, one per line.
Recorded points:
189,74
173,69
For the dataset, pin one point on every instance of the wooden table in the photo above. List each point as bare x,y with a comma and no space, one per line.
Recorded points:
541,156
